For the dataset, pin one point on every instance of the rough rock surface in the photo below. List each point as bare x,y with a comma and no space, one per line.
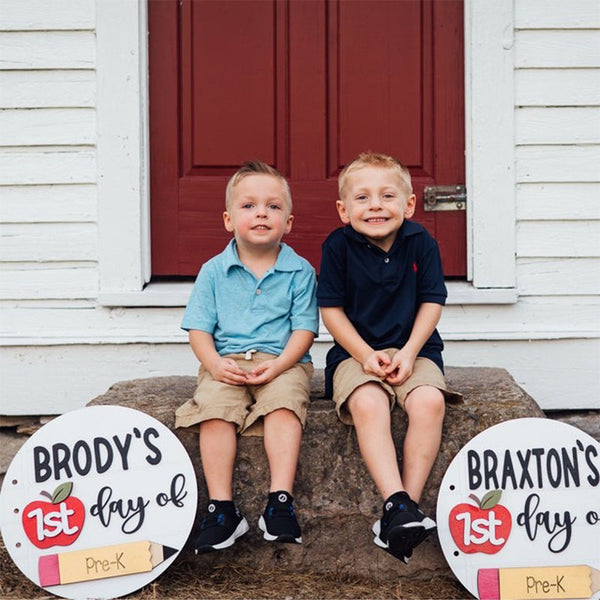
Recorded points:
335,498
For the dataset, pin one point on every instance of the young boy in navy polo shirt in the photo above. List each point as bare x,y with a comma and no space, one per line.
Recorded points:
381,291
252,317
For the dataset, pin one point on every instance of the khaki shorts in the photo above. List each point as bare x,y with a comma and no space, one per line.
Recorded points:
245,405
349,375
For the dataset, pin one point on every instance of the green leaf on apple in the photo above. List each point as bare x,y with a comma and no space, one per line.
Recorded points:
491,499
62,492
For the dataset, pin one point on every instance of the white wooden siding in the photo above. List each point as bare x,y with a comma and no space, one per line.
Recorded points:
31,15
557,162
91,370
69,373
553,239
558,201
48,203
48,89
560,277
48,172
66,281
47,50
557,48
35,166
557,94
54,329
558,125
557,14
557,87
48,127
48,242
531,318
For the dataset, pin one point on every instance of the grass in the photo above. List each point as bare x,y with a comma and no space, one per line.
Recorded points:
189,578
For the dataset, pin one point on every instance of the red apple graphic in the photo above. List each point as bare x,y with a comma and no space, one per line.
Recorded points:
55,523
482,528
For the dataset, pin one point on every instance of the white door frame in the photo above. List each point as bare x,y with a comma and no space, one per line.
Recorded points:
123,157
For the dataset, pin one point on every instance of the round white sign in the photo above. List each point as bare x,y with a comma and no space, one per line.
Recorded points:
518,512
98,502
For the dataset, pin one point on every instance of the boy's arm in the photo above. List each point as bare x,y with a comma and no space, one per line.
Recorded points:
297,346
345,334
221,369
401,366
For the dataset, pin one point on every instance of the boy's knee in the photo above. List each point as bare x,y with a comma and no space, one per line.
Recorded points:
366,401
282,416
216,425
425,401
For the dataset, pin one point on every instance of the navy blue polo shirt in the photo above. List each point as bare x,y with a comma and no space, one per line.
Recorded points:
379,291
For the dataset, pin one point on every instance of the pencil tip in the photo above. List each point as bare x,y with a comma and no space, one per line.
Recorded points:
168,552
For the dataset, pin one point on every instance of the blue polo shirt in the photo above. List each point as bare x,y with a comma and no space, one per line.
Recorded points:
379,291
244,313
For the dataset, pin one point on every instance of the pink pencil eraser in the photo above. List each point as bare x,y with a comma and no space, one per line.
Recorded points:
48,570
488,584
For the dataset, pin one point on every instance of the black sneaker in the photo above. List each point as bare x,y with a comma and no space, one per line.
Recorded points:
220,528
278,523
402,527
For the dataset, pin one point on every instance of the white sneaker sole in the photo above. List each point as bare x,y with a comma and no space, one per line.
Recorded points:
426,525
377,530
270,537
240,530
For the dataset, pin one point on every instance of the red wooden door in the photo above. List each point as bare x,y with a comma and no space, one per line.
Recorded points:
304,85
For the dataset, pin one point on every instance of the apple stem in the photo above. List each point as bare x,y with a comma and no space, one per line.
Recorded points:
45,494
475,499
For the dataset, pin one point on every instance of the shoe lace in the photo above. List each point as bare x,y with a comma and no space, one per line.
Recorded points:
281,511
391,513
212,521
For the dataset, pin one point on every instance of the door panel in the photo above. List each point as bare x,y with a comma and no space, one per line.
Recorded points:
304,86
380,78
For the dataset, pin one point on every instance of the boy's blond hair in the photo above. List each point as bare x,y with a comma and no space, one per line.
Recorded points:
380,161
256,167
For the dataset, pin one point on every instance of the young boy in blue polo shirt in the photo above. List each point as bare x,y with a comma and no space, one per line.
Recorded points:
381,291
251,317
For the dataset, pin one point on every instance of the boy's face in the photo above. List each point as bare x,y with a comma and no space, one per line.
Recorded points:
375,203
258,212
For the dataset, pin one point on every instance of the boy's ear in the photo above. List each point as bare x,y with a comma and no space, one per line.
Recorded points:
227,222
341,208
411,204
288,225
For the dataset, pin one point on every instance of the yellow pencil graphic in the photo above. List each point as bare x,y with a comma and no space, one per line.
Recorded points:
100,563
524,583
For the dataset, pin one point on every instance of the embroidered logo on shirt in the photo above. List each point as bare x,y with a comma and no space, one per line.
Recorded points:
415,267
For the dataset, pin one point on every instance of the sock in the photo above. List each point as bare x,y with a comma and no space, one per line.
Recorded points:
222,504
274,496
397,497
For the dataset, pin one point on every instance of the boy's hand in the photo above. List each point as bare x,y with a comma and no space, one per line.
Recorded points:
265,372
377,364
400,367
226,370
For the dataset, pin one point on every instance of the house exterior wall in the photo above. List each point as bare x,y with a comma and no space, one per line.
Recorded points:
74,232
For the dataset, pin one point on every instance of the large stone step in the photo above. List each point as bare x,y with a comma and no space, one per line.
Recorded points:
335,498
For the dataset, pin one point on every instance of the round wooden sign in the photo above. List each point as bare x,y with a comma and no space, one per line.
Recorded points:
519,512
98,502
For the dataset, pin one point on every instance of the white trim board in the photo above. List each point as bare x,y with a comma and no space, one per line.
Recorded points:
177,294
123,180
122,145
544,317
552,372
